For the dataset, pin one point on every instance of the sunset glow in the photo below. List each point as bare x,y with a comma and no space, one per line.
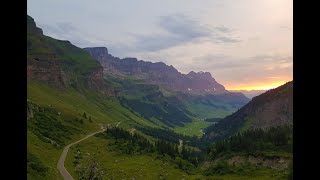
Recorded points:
258,86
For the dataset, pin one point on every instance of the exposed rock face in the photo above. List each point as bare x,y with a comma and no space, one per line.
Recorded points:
47,70
204,83
95,81
60,64
272,108
158,73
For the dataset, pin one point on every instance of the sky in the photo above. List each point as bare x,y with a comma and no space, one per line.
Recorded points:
244,44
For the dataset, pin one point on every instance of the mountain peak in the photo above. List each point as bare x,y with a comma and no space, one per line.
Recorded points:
100,50
31,26
200,75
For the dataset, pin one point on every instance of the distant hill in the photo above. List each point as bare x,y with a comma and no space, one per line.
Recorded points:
250,93
270,109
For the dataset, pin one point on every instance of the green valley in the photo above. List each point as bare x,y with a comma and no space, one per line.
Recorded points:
160,123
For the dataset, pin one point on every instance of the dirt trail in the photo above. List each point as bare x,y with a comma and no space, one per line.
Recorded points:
63,171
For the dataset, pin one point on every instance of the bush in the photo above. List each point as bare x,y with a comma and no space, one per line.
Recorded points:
222,167
35,166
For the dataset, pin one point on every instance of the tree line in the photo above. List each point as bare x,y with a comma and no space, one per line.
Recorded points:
274,138
130,143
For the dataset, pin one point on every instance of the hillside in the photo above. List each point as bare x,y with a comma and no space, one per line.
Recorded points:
270,109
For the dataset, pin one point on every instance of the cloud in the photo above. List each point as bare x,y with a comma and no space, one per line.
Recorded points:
230,70
182,26
62,29
223,29
180,29
221,61
224,39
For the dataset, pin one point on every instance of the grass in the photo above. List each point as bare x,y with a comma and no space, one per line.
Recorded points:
146,166
209,111
192,129
71,105
48,155
119,165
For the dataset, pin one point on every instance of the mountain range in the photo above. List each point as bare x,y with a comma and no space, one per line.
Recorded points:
165,76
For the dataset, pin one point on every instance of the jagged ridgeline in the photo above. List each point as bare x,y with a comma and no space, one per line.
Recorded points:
167,77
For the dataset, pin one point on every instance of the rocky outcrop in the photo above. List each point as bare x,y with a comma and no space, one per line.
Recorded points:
158,73
95,81
46,70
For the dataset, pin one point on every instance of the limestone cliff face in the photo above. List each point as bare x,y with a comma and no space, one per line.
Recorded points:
158,73
46,70
95,81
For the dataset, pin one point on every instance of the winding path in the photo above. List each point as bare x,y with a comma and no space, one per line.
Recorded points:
63,171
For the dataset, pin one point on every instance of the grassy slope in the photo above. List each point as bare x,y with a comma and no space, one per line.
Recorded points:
74,59
147,166
71,105
193,129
